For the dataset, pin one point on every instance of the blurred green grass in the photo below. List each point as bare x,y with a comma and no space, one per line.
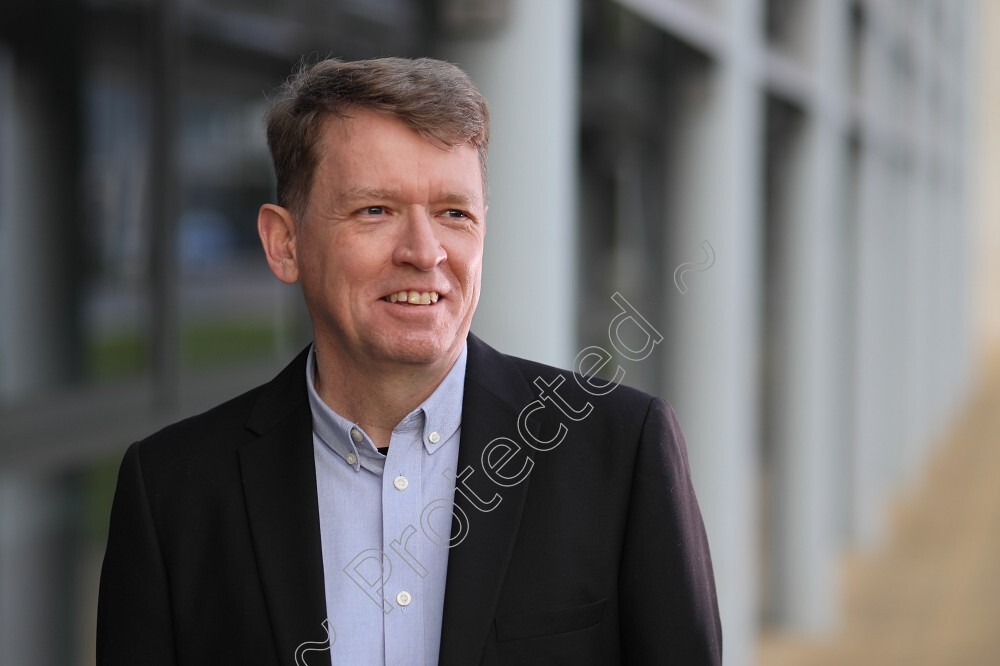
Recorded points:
206,344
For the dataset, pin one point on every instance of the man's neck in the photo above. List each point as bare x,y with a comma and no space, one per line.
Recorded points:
377,399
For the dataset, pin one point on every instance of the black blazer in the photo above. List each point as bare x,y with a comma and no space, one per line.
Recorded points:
594,552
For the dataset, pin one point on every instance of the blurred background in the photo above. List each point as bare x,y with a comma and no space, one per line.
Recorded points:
800,195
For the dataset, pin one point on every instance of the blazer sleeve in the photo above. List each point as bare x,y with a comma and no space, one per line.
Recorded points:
134,623
668,606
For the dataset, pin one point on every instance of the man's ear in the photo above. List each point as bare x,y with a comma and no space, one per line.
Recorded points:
277,230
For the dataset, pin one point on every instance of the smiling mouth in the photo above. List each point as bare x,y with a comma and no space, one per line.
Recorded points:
412,297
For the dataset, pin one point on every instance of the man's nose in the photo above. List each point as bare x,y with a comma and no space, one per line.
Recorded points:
418,244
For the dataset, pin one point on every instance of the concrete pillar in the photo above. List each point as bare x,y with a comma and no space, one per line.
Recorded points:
40,340
528,70
939,297
893,334
37,571
871,297
40,332
917,203
713,326
9,328
963,69
956,221
803,393
872,367
919,314
165,58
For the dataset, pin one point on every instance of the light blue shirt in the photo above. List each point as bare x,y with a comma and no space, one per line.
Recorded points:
385,522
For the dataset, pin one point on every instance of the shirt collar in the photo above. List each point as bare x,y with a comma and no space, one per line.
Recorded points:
438,418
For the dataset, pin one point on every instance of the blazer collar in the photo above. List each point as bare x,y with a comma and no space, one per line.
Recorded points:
495,394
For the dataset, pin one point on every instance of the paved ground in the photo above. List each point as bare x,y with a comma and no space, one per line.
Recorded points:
932,595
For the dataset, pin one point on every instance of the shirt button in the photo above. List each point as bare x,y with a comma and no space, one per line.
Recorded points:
434,437
356,435
351,459
404,598
400,482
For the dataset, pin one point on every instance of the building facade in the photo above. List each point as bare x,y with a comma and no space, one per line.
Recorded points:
782,188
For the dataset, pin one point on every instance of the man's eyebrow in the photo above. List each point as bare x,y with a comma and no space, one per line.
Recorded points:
368,193
458,198
374,194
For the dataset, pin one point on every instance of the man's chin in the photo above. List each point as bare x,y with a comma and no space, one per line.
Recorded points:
418,352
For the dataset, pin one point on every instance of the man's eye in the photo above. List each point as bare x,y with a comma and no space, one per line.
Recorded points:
373,210
455,214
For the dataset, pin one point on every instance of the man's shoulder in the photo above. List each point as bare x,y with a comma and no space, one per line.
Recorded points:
580,424
607,396
592,386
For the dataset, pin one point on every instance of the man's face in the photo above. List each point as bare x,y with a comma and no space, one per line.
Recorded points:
389,251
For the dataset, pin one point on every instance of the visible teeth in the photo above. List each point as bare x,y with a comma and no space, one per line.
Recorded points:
413,297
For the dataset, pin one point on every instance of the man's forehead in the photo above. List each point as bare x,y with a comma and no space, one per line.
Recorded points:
342,127
374,170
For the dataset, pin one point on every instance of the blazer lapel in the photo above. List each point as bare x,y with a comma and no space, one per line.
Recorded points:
279,486
495,394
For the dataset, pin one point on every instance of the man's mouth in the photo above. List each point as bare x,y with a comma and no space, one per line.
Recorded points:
412,297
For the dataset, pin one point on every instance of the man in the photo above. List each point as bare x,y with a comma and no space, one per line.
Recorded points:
402,493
